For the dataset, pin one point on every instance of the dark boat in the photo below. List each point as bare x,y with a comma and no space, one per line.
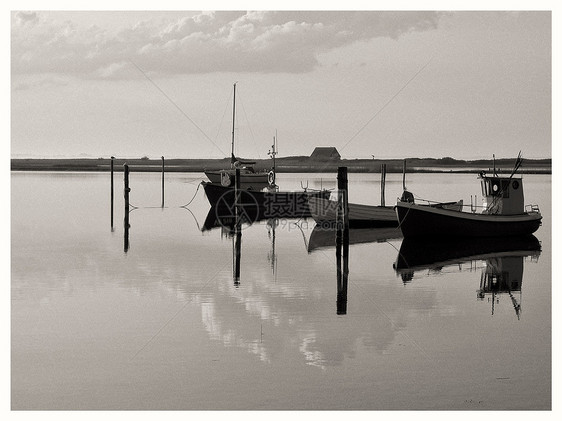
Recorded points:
504,213
249,178
265,204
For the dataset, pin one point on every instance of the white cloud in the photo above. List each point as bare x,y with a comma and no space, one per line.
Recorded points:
207,42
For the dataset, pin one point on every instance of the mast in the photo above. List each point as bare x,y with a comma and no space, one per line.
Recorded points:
232,158
274,147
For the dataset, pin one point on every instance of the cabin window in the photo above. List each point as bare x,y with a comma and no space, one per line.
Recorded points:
515,184
496,188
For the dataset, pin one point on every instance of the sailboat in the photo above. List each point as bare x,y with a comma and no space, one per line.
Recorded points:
259,194
250,179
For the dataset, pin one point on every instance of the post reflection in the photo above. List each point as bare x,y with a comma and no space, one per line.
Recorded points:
342,272
323,237
237,243
501,273
126,226
272,224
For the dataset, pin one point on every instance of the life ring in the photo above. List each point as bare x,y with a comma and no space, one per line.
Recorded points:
226,180
271,178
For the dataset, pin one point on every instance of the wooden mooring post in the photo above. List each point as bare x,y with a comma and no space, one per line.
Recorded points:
126,192
343,208
404,175
383,181
342,241
162,181
112,194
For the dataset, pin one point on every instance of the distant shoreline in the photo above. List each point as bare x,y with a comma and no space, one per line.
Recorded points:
284,165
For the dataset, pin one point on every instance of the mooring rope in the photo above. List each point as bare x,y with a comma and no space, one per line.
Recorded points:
188,203
165,207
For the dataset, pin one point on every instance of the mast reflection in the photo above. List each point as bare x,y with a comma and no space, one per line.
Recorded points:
503,275
272,224
231,225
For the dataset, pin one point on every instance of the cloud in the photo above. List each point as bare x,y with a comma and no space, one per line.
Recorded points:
206,42
25,18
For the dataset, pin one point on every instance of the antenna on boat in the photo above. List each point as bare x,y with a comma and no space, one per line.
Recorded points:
494,159
518,163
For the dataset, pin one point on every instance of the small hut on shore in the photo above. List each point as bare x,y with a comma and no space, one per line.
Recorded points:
325,153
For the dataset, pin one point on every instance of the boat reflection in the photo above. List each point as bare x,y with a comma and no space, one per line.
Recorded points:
503,260
226,219
325,237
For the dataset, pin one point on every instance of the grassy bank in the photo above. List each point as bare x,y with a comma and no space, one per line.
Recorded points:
283,165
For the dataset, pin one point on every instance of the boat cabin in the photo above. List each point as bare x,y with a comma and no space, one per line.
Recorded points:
502,195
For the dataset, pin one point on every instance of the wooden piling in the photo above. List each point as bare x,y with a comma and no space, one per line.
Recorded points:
112,194
343,209
126,191
383,181
162,181
404,175
342,241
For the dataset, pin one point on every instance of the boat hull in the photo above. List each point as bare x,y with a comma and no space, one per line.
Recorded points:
263,204
324,212
248,181
423,221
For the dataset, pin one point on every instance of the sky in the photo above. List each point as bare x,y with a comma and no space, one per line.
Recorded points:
383,84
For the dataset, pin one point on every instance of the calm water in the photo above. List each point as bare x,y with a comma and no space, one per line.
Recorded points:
164,325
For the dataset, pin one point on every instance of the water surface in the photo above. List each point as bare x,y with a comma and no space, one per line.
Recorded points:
164,325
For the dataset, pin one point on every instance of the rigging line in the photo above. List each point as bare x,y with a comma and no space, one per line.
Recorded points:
175,315
386,104
223,114
248,122
176,105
